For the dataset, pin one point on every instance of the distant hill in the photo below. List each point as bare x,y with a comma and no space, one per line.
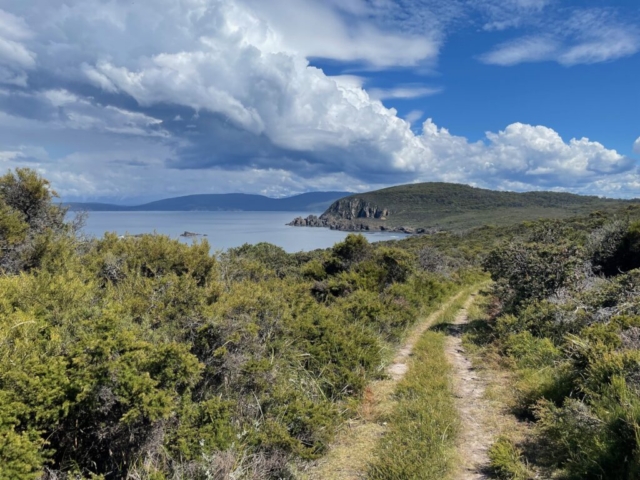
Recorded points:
306,202
450,206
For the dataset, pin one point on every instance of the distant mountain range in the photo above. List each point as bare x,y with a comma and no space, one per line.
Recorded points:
306,202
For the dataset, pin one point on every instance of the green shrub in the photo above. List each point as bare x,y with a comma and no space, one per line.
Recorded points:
507,462
314,270
531,352
525,272
144,357
202,427
573,340
352,249
20,454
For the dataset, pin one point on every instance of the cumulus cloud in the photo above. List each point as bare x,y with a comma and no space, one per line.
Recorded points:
636,146
62,109
523,154
172,97
318,29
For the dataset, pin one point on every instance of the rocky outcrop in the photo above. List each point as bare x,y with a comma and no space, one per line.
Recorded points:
345,214
353,214
332,223
310,221
355,226
352,208
348,226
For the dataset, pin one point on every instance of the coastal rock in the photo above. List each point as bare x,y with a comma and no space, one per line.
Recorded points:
354,214
310,221
191,234
349,226
352,208
344,215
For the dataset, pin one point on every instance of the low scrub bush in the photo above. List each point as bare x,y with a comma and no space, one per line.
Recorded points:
573,339
507,462
142,357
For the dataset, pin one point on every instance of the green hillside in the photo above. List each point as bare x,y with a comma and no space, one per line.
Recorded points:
455,206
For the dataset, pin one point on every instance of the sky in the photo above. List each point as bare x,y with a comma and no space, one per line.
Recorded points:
128,101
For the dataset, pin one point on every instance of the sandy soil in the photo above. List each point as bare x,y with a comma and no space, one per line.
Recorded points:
477,413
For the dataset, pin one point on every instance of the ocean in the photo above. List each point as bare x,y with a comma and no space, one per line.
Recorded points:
224,229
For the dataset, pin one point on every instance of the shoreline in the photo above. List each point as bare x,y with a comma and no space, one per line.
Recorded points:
313,221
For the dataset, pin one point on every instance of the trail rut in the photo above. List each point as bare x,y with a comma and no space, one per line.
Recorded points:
349,456
476,412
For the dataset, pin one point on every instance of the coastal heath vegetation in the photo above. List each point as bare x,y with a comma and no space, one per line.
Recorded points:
146,358
566,320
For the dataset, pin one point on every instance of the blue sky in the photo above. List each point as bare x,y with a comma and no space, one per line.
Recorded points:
598,100
130,101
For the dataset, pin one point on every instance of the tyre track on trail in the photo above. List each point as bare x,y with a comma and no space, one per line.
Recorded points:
352,451
477,431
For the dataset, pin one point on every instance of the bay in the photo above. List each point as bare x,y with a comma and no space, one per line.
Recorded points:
224,229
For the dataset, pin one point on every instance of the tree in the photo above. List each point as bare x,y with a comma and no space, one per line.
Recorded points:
27,216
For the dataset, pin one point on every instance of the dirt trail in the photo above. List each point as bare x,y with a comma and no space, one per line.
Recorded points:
350,454
477,413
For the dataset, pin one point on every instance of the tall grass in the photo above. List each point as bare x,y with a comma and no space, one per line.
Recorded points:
422,429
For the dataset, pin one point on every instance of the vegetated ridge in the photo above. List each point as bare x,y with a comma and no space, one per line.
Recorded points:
428,207
310,202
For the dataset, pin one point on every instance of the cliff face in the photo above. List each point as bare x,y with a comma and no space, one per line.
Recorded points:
352,214
352,208
349,213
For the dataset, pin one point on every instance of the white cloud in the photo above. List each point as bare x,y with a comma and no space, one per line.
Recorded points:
530,155
530,49
257,116
413,116
538,151
14,53
403,92
636,146
13,27
82,114
316,29
23,154
586,36
505,14
9,155
12,77
349,81
610,43
15,58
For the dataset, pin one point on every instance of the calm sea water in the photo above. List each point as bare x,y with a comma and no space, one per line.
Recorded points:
223,229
